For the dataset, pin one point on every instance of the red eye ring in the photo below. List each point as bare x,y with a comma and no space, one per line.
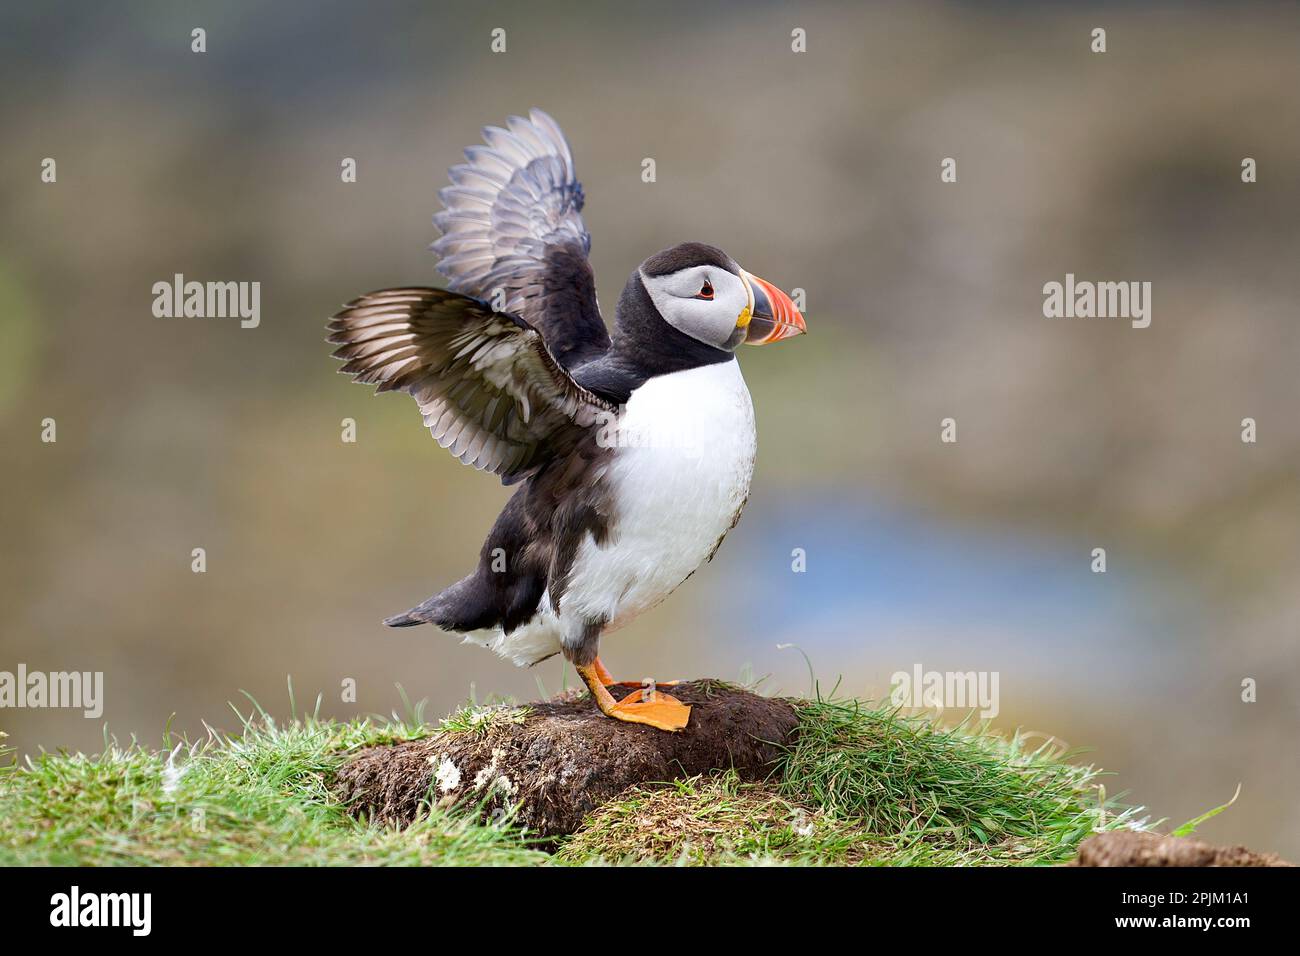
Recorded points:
706,292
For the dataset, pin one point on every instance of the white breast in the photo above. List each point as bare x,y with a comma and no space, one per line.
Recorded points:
679,478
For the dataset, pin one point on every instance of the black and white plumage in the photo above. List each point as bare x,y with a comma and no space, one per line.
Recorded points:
633,453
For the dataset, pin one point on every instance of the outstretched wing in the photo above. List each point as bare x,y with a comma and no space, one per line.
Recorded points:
489,389
512,235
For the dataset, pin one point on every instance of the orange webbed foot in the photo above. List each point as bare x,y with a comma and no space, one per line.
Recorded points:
652,707
645,705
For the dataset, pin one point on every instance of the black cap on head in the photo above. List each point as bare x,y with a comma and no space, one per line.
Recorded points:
684,256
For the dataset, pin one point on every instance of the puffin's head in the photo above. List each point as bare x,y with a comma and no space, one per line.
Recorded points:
701,291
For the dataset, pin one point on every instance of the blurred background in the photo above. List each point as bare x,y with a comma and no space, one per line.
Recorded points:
817,170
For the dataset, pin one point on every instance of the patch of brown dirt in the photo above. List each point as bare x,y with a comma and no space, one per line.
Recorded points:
710,820
1134,848
564,758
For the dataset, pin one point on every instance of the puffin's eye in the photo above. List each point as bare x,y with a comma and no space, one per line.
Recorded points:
706,292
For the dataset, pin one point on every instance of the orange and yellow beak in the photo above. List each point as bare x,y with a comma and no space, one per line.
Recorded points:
772,313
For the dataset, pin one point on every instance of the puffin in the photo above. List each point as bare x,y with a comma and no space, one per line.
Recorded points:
631,453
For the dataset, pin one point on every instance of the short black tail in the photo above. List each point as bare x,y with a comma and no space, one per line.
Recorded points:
465,606
406,619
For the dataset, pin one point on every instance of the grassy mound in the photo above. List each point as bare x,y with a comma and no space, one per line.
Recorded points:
863,785
259,798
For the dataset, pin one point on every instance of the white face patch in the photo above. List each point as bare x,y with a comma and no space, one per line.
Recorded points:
712,321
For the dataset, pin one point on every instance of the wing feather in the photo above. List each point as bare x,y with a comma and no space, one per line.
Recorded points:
488,388
512,227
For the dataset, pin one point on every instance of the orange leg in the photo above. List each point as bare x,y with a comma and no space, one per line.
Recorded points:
606,678
639,707
602,673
